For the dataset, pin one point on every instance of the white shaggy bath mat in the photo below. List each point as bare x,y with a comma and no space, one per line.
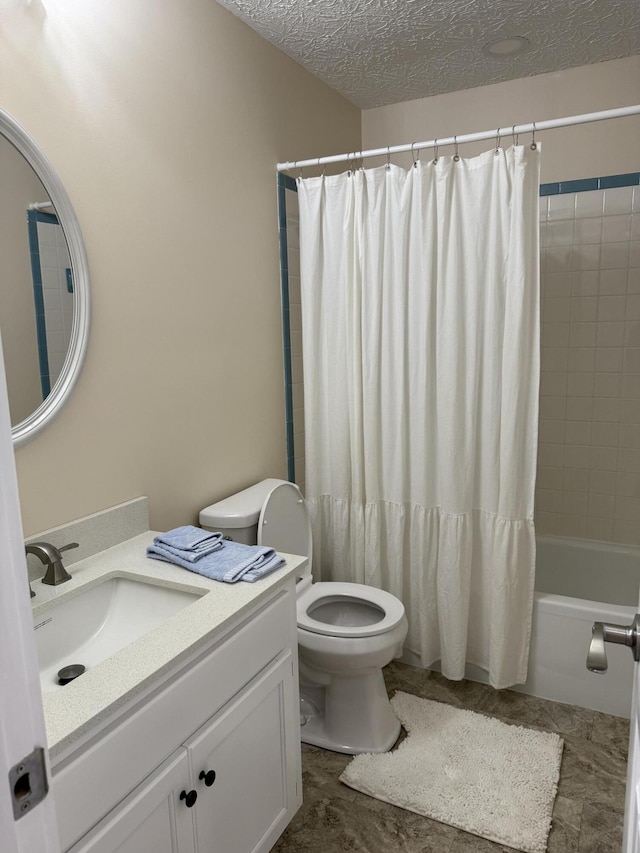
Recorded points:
467,770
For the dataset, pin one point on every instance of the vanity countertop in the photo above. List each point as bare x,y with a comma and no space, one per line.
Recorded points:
73,713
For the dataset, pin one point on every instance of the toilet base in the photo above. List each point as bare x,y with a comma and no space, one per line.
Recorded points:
350,715
313,733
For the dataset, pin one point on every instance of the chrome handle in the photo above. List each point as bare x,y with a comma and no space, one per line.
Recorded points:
597,656
602,632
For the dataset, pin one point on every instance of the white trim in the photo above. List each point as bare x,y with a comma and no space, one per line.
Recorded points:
60,392
504,132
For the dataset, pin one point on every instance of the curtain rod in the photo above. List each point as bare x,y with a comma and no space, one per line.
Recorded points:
533,127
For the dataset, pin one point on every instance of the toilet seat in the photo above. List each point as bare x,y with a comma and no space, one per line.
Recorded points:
366,602
284,524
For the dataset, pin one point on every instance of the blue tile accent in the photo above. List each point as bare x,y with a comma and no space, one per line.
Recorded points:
33,217
287,372
284,254
282,206
290,183
631,179
284,183
291,464
579,186
51,218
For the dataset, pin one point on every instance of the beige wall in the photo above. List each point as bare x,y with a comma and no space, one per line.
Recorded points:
165,121
586,151
20,187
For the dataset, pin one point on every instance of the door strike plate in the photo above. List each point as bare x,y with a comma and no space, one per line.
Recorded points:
28,783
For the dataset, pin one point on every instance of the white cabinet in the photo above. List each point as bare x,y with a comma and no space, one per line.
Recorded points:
247,747
229,785
152,819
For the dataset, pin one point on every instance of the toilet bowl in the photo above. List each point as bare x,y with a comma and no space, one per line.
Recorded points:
346,631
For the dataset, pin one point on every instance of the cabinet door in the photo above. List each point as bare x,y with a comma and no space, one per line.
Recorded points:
152,819
253,747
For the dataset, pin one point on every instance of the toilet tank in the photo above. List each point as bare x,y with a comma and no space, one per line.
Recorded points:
237,516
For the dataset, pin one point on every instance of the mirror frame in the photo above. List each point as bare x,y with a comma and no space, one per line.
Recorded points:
50,407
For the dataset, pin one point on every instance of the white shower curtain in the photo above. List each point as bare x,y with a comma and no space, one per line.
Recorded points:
420,325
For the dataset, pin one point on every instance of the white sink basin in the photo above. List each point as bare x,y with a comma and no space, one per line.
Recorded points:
96,623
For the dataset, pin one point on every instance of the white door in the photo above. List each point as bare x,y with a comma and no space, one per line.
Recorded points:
631,842
22,726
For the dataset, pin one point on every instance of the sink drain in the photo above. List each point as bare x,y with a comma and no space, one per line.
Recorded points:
68,673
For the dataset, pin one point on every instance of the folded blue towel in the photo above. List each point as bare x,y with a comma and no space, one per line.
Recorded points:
265,568
189,543
231,563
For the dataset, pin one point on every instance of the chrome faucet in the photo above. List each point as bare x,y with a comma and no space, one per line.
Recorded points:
52,559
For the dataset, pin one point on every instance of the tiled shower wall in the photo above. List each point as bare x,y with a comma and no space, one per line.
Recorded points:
588,482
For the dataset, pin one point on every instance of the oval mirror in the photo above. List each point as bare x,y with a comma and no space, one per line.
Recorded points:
44,288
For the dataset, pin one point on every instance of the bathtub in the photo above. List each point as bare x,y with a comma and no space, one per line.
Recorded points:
579,582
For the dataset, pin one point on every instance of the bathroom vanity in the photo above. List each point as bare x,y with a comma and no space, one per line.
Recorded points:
187,739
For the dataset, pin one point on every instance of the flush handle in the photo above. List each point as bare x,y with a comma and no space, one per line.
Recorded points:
602,632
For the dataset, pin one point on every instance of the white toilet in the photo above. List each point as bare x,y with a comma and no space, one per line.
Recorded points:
346,631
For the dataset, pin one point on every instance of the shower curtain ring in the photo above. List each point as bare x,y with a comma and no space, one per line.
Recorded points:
497,151
514,135
388,157
435,145
533,141
295,165
456,156
415,159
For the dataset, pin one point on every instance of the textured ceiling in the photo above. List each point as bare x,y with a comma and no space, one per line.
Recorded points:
379,52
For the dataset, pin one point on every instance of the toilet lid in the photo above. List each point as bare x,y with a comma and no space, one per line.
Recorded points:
348,610
284,522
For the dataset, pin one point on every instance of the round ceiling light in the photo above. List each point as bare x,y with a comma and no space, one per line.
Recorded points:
507,47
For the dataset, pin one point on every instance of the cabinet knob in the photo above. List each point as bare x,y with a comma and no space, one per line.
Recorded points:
209,777
189,798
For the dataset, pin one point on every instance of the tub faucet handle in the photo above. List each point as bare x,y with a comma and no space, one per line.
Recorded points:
602,632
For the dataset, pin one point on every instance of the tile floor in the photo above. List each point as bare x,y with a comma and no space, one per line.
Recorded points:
588,810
